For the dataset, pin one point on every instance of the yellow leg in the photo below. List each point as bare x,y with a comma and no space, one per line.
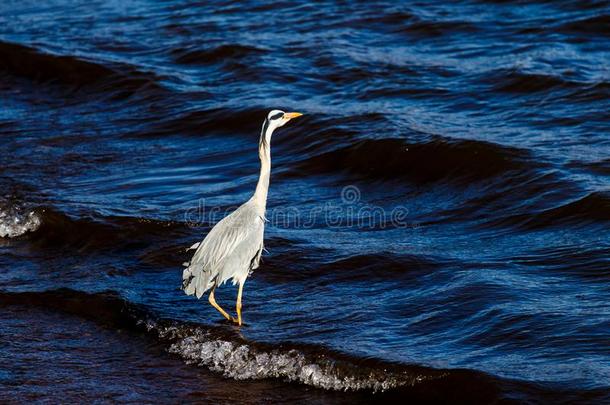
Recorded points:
238,305
215,304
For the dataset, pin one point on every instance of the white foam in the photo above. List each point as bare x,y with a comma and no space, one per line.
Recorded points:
13,222
241,361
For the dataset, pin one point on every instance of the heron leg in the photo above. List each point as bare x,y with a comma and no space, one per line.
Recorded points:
238,304
215,304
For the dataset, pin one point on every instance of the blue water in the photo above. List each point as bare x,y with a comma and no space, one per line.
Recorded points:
439,217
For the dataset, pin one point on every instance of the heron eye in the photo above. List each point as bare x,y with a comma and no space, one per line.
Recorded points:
276,116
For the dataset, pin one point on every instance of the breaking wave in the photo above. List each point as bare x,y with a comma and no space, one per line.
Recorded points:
15,221
242,360
224,350
52,228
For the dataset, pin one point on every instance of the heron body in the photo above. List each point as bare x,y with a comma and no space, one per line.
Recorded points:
233,248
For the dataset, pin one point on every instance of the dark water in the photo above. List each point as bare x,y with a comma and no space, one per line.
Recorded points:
439,218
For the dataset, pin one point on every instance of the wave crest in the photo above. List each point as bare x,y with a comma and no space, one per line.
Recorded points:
14,221
246,361
223,349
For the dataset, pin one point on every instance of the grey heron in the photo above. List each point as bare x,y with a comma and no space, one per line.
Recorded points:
233,247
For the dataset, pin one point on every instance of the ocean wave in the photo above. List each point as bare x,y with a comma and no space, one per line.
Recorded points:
455,160
410,23
428,29
591,209
598,25
241,360
52,228
599,167
390,18
593,261
225,350
366,267
24,61
595,92
517,81
218,120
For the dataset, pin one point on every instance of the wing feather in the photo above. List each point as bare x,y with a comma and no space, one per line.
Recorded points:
220,255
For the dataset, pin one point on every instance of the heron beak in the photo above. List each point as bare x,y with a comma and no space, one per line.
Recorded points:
292,115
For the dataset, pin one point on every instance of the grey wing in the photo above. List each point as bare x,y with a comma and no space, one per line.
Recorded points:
244,258
220,254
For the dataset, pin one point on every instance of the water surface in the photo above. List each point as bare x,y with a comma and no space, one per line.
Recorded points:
439,218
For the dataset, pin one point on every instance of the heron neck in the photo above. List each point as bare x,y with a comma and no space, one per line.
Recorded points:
264,153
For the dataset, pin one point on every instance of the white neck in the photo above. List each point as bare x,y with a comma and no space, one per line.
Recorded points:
264,153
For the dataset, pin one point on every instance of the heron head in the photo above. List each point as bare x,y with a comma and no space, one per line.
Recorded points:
278,118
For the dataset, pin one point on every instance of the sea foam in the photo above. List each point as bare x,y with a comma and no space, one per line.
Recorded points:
243,361
15,222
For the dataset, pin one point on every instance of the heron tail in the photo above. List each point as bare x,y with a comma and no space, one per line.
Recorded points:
195,281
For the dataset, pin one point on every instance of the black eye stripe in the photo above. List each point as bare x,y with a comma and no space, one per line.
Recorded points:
276,116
